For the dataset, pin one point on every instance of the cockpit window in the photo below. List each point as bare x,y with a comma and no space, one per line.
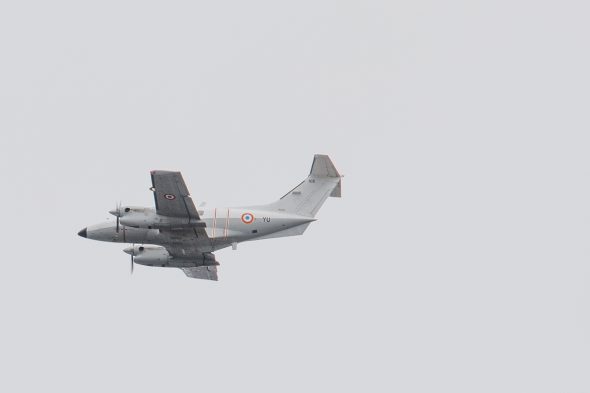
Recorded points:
127,210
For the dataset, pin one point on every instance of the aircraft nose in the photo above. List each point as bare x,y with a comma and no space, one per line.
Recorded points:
83,233
114,212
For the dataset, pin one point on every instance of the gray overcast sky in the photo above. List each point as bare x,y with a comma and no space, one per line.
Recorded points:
456,261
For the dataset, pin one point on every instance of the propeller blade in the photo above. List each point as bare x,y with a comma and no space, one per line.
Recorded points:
132,255
118,210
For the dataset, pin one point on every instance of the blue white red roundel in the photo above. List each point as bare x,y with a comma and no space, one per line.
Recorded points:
247,218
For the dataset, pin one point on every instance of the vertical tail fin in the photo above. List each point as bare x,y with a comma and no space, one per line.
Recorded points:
307,198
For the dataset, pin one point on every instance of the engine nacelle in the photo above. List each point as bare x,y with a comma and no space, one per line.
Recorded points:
142,217
159,256
150,255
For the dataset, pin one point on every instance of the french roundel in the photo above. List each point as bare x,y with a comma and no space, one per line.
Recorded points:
247,218
169,197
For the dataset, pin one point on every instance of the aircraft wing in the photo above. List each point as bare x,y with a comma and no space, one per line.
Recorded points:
189,252
173,200
202,272
183,250
171,195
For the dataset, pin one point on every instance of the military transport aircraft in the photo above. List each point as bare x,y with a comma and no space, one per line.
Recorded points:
177,234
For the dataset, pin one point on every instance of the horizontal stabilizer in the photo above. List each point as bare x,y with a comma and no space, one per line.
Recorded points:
337,191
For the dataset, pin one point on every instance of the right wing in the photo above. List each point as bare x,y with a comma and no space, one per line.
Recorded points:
171,195
202,272
173,200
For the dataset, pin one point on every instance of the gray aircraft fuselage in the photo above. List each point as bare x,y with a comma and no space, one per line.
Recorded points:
224,227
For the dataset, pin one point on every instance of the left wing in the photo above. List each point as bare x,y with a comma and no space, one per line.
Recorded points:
184,250
191,253
202,272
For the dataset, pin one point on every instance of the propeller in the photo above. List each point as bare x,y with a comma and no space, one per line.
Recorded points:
117,213
131,251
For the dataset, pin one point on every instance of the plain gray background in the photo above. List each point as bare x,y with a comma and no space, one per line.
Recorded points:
456,261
